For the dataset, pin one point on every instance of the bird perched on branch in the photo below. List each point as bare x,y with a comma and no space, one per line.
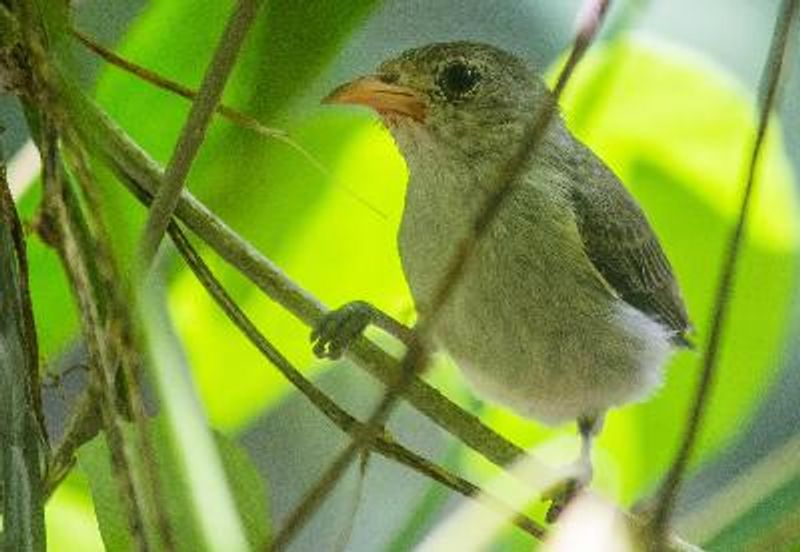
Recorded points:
566,305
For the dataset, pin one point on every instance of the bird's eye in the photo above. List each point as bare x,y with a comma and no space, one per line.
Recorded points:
457,79
390,77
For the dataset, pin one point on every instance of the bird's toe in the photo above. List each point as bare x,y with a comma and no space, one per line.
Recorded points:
337,330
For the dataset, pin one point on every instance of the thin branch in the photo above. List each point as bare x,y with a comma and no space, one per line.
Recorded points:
384,444
60,229
770,81
117,331
236,117
193,133
315,496
416,356
162,82
356,499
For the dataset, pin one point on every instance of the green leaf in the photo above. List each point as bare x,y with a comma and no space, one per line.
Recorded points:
754,506
247,487
248,490
94,459
772,524
197,463
289,45
71,522
54,311
21,441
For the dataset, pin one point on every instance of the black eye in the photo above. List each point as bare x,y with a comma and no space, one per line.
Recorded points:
457,79
389,77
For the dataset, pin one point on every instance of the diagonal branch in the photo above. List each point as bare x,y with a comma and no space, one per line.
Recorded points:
236,117
770,81
383,443
176,88
193,133
417,353
64,232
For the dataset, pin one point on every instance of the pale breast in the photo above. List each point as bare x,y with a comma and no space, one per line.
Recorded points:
529,323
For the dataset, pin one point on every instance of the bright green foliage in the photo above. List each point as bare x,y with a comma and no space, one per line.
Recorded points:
248,490
70,517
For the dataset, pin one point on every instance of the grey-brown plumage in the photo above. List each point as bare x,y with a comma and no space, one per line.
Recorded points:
619,241
568,305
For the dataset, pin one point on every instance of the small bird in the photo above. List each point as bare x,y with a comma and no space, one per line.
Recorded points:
568,305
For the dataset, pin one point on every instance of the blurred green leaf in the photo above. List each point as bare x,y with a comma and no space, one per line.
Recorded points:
94,459
247,487
53,309
289,45
758,505
773,524
21,441
71,522
197,464
249,492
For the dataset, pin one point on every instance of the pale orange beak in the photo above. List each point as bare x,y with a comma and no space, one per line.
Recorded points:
384,98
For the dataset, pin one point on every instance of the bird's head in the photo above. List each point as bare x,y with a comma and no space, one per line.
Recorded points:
470,98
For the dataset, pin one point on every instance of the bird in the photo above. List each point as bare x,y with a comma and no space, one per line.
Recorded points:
567,305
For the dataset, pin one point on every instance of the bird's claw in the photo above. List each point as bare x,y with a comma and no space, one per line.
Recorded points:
337,330
561,495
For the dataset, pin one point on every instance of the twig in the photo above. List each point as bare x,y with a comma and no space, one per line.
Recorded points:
68,245
416,356
193,133
770,80
160,81
118,327
383,443
236,117
590,20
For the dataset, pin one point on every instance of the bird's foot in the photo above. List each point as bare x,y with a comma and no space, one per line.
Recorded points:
561,495
338,329
568,489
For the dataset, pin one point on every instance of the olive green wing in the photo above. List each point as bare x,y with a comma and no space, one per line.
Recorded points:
623,247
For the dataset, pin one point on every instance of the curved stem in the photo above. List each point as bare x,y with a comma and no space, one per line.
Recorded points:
770,81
